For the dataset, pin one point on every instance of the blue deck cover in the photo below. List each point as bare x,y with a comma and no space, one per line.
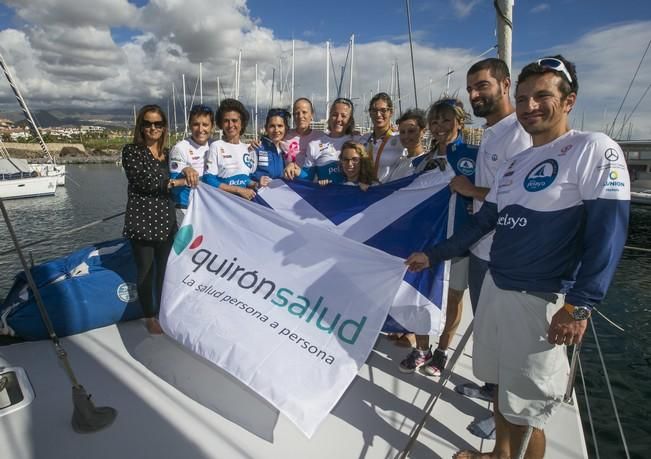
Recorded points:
91,288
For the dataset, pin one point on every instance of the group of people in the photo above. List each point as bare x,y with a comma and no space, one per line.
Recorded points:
337,156
539,222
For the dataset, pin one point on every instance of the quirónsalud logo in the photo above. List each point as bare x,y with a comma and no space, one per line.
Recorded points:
313,311
184,239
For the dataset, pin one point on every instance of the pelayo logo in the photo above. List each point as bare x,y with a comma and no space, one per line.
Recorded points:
466,166
127,292
541,176
184,239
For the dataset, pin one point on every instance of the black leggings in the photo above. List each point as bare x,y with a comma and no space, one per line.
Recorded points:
151,260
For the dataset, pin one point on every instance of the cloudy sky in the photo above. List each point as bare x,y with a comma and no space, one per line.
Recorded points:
99,54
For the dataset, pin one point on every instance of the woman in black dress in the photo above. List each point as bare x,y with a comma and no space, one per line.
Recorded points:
150,221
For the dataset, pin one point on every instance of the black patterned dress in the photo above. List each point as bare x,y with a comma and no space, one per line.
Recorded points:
150,221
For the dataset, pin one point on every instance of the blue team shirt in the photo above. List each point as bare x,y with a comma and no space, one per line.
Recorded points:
462,158
270,161
560,213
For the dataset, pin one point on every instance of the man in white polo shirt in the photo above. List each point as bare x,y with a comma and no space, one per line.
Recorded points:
488,85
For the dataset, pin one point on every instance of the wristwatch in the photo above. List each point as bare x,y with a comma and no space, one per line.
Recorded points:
578,312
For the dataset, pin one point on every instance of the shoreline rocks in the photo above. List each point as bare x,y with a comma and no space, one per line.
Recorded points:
64,153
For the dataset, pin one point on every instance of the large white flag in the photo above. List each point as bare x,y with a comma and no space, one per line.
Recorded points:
290,309
399,218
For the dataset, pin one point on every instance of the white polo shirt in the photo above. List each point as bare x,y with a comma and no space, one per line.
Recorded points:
500,142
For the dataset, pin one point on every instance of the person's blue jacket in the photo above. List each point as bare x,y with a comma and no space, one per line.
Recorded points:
270,161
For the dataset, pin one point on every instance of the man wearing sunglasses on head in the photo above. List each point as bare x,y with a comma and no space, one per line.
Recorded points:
560,213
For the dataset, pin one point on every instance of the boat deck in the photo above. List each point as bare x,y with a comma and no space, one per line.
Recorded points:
172,404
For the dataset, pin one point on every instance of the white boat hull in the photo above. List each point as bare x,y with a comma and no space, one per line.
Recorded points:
50,170
28,187
641,197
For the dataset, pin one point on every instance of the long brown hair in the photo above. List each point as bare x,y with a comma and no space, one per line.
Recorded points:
366,169
138,137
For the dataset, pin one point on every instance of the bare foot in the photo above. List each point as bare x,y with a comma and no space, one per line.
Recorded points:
153,326
469,454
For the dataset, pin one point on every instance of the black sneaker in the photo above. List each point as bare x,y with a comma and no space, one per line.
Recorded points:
435,366
415,360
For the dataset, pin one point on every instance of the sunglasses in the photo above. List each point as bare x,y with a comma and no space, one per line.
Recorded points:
556,65
200,108
153,124
343,100
279,112
381,111
451,102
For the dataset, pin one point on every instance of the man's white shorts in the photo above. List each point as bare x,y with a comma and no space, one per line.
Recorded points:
459,274
510,349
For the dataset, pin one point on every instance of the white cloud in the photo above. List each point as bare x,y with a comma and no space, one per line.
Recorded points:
540,8
71,13
203,33
606,60
76,53
463,8
72,60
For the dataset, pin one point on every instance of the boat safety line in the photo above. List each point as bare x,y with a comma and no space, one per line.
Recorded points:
618,327
76,183
434,397
639,249
587,406
576,352
74,230
610,389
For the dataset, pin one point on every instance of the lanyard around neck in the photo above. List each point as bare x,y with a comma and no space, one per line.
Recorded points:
371,142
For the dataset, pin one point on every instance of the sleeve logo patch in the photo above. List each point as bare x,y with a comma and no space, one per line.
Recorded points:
611,154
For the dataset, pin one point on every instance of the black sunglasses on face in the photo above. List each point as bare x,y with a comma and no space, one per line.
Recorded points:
153,124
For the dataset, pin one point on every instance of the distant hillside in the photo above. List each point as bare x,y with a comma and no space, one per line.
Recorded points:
47,119
43,119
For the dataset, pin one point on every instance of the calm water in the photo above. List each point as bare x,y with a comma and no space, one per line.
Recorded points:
97,191
627,354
